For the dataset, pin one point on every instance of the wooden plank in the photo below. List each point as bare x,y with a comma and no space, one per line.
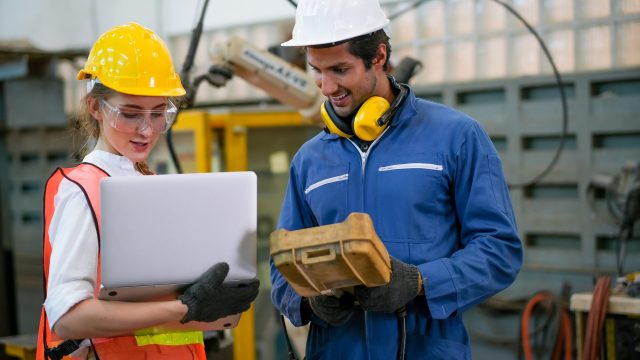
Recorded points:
618,303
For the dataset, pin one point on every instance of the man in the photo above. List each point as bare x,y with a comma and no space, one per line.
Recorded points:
429,177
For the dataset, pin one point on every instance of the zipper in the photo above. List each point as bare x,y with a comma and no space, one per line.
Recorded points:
425,166
365,155
316,185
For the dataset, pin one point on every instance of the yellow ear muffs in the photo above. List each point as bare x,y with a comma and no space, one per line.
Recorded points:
370,120
332,121
365,124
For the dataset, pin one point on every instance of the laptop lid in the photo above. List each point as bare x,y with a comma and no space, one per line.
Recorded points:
159,233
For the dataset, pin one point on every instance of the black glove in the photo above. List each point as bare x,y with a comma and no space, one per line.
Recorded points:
336,311
208,299
403,287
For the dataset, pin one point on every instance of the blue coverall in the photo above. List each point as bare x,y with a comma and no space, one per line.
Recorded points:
434,188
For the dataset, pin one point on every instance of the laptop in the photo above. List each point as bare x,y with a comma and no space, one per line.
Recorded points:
160,233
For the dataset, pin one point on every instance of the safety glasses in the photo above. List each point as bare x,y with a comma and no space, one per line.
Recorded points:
131,120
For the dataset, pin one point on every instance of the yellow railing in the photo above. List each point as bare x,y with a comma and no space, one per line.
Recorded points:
234,128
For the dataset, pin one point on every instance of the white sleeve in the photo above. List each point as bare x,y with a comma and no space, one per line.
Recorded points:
74,255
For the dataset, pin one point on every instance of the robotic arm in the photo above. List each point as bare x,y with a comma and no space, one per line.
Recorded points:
280,79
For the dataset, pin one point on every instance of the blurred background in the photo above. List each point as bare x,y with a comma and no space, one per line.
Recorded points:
576,220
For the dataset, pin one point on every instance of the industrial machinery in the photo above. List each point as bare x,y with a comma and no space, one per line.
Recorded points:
622,196
277,77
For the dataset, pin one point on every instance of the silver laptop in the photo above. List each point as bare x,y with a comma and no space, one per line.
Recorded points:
159,233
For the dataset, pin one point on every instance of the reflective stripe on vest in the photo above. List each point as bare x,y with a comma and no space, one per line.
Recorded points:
181,338
87,177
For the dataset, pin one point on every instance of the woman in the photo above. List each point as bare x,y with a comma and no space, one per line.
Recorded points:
132,89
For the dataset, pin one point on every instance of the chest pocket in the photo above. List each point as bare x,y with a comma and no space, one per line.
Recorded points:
326,193
412,197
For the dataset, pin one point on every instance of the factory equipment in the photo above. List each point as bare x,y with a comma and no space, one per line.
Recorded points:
280,79
622,196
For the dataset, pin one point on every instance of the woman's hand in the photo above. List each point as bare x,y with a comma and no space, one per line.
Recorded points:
208,299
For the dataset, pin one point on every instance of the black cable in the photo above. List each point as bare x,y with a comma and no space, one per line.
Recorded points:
191,54
626,231
402,330
611,193
172,151
563,97
291,355
292,3
404,10
591,202
93,348
186,83
556,73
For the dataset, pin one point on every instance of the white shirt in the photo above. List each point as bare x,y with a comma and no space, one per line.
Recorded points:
74,242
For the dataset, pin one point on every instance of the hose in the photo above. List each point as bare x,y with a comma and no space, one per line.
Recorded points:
564,337
563,324
526,317
595,320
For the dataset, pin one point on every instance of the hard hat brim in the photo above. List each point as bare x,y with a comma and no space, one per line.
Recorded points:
174,91
82,75
330,40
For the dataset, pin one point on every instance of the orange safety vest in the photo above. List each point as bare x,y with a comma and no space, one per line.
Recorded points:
87,177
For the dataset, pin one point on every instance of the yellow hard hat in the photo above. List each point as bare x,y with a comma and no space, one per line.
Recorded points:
132,59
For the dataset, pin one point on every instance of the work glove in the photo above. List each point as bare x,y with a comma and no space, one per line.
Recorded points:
208,299
334,310
403,287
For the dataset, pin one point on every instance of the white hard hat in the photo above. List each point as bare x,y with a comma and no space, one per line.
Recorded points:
321,22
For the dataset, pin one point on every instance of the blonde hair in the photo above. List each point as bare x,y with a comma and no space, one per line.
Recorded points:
89,127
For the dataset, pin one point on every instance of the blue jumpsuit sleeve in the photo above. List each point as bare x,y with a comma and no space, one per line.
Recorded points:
295,215
489,254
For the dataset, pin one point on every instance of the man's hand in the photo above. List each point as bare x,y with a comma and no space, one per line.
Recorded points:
336,311
403,287
208,299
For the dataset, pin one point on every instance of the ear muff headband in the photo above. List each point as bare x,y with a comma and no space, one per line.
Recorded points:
395,105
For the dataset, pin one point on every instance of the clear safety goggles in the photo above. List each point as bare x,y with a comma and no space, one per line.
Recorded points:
134,120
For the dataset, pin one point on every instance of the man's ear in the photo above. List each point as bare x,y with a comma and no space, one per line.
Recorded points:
93,105
381,56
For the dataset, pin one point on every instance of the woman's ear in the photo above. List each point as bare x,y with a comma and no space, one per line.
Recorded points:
93,105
